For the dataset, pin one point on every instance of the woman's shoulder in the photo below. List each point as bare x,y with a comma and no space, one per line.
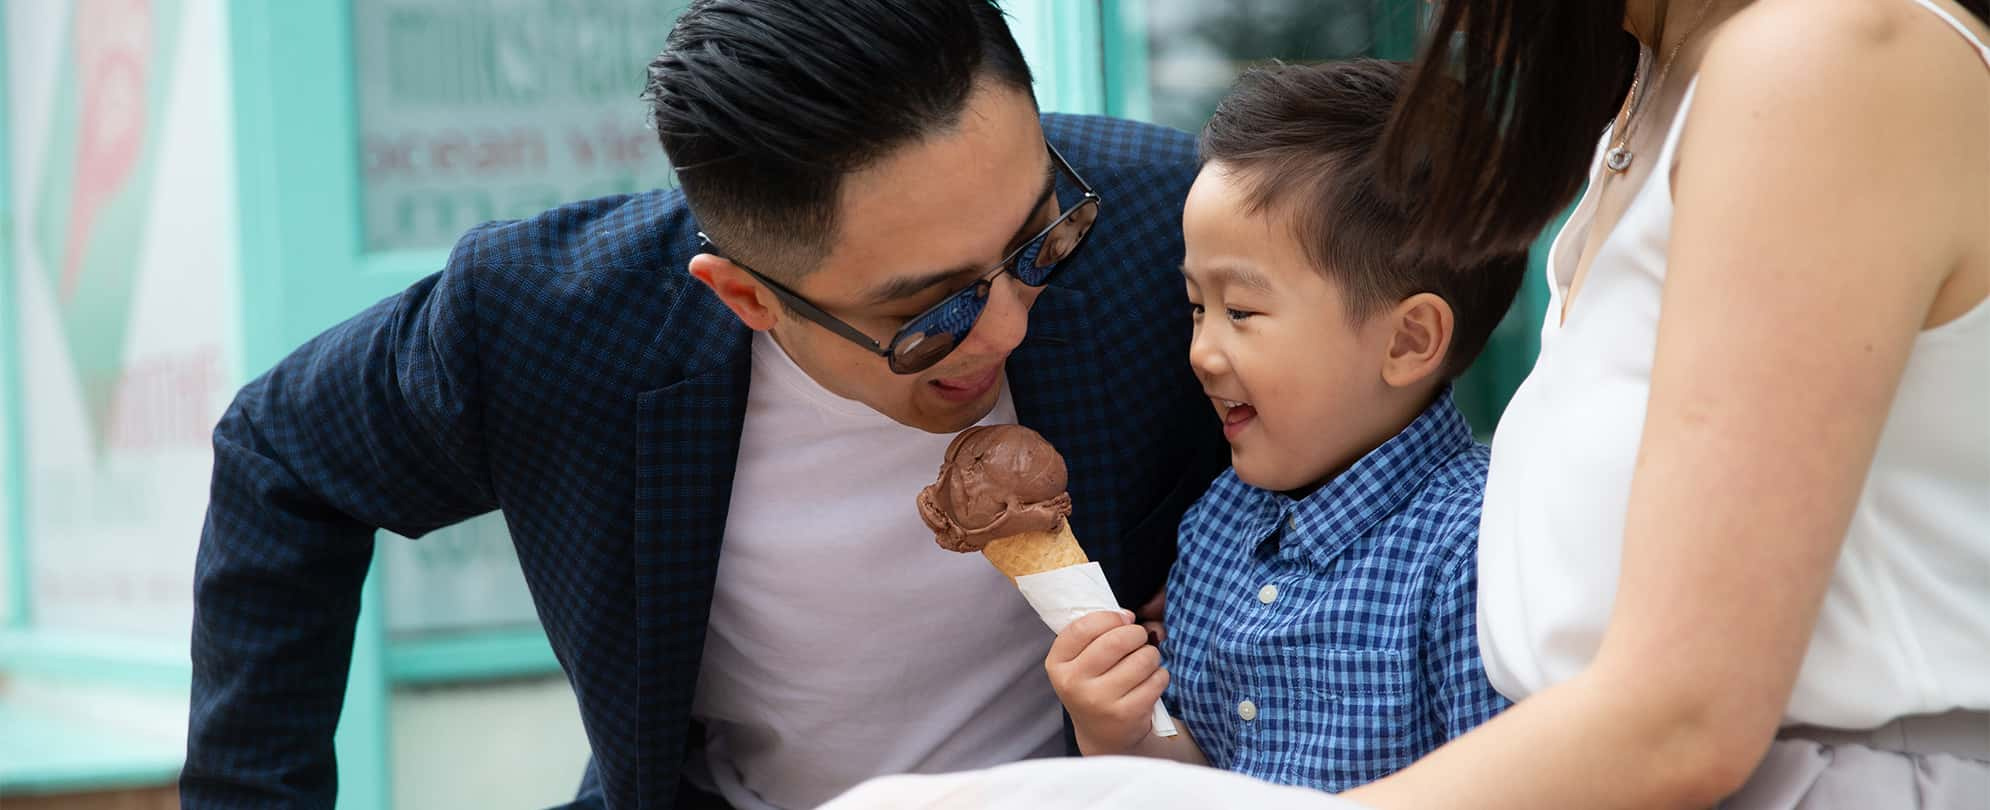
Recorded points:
1840,40
1821,82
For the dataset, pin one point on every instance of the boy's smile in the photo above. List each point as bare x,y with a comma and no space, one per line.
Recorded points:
1236,416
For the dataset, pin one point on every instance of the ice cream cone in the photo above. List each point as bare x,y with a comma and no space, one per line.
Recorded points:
1001,491
1019,555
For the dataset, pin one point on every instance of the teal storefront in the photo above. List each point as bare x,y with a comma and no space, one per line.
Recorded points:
194,187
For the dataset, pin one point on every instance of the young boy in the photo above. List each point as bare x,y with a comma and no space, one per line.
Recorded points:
1320,625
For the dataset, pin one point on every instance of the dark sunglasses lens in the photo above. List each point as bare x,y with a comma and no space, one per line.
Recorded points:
1040,257
934,335
921,351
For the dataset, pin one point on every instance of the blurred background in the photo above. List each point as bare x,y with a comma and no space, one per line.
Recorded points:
193,187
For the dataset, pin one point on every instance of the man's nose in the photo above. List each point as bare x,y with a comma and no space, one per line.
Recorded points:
1005,320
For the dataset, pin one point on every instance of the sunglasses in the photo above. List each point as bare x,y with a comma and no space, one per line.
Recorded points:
931,335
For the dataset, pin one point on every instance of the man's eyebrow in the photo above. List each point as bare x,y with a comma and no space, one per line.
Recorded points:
901,288
1227,273
906,287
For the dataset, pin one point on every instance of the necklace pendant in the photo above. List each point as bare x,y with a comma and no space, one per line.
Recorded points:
1618,159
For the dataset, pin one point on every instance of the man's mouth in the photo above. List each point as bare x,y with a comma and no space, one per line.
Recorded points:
967,388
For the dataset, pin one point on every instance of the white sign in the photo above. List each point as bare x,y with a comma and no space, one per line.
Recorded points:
123,185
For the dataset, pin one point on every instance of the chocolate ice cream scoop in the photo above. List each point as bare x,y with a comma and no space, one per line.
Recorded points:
997,481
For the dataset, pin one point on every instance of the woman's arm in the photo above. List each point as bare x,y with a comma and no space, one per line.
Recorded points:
1816,220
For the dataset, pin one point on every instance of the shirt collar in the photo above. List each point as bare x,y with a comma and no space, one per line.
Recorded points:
1323,523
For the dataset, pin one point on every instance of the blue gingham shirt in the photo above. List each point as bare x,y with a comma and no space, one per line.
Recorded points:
1330,641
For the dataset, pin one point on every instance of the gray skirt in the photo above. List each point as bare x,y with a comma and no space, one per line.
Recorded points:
1939,762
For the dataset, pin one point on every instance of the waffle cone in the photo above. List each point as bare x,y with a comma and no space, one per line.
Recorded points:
1035,552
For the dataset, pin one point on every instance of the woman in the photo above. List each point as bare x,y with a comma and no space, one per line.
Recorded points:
1737,534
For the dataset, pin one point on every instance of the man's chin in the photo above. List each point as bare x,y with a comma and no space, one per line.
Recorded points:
936,414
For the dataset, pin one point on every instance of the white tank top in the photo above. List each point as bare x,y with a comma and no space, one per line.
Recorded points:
1905,627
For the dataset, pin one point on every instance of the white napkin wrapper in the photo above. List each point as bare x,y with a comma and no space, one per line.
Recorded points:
1061,596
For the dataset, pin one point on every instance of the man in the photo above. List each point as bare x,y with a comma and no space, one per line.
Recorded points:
705,416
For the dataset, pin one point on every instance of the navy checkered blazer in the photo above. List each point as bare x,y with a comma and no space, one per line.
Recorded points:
567,370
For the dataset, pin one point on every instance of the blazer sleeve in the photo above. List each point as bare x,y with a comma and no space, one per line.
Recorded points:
373,424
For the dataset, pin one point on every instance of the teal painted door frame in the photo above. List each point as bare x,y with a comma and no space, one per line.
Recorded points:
303,270
13,461
1063,41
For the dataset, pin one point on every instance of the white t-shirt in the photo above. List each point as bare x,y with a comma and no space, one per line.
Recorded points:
844,644
1905,626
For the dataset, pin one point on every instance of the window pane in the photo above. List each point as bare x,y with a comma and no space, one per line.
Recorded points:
1175,58
471,110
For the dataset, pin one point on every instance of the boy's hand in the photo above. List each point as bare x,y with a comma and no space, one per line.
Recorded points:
1108,677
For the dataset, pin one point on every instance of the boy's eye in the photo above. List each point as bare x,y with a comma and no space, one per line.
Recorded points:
1238,314
1195,309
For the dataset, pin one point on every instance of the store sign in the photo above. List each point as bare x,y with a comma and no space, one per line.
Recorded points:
473,110
123,184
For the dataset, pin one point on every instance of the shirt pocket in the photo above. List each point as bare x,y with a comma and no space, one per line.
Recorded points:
1353,714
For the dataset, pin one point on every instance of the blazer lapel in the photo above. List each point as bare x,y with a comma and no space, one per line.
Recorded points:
1058,382
687,449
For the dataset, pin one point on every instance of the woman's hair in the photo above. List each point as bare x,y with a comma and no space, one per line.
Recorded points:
1540,80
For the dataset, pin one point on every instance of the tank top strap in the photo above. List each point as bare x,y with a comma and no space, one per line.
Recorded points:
1670,152
1967,33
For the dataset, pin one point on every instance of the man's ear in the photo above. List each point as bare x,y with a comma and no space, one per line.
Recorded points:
754,304
1422,326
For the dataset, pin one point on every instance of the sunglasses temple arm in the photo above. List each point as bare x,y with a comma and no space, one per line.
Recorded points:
827,321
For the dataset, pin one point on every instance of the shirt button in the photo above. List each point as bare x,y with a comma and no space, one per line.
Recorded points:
1247,710
1268,594
1292,524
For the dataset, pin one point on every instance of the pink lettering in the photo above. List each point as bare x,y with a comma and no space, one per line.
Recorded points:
167,403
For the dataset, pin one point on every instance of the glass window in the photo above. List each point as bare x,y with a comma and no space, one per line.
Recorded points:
472,110
1168,61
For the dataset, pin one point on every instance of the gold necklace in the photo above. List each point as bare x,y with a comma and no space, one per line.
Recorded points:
1618,159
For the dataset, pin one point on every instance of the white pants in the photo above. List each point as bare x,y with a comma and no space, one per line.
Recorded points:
1929,763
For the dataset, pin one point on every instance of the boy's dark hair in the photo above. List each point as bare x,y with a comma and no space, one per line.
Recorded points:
765,105
1304,141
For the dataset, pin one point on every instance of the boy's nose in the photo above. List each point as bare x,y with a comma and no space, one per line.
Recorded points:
1206,357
